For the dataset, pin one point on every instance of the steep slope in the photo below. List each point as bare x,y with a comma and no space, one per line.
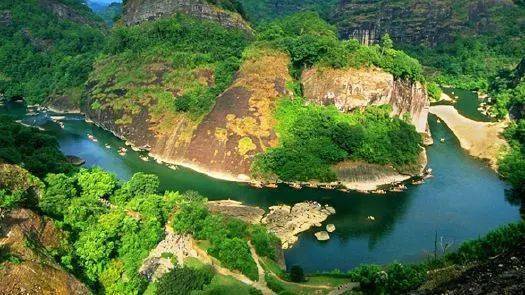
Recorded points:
464,42
47,48
137,11
28,241
259,11
349,89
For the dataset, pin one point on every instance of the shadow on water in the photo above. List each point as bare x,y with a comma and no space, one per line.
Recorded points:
464,200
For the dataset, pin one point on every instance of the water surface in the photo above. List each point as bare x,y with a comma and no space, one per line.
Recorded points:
464,200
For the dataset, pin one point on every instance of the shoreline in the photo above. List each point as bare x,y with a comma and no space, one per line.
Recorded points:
481,140
378,186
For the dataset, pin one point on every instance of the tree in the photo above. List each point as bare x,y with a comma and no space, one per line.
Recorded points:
297,274
96,182
386,42
59,192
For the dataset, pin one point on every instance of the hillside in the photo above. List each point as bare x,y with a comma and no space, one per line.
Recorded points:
48,48
208,94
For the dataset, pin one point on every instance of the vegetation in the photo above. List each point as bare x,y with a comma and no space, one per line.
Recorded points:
184,280
171,66
32,149
314,137
228,237
397,278
309,40
43,55
262,11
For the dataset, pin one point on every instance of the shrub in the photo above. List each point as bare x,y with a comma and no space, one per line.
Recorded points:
235,254
183,281
297,274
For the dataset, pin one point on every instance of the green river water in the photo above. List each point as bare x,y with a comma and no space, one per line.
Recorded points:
464,199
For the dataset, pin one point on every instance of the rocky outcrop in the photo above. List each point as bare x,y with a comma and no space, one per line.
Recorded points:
351,88
417,21
69,12
170,252
236,209
37,272
287,222
137,11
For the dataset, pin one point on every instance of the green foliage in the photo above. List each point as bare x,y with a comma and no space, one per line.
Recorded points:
171,65
297,274
44,55
434,91
96,183
261,11
495,242
309,40
235,254
184,280
314,137
228,236
394,279
32,149
60,189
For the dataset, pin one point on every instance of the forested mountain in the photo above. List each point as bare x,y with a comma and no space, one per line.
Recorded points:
48,48
109,12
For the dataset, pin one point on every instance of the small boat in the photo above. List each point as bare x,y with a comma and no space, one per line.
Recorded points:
295,185
379,192
107,146
256,184
371,218
271,185
173,167
144,158
442,140
439,121
95,140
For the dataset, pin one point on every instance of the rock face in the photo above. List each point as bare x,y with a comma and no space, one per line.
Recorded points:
64,11
349,89
37,273
416,21
137,11
287,222
236,209
169,252
223,144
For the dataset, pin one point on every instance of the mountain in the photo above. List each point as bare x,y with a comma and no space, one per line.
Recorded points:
192,83
108,12
48,48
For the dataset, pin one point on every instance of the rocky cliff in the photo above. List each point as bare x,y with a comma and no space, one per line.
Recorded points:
349,89
416,21
223,143
137,11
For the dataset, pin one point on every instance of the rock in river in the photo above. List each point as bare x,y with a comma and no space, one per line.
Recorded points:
330,228
322,236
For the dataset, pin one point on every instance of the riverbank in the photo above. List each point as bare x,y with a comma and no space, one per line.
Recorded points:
480,139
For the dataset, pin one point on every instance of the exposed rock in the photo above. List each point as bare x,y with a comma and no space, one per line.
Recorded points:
330,228
169,252
137,11
64,11
322,236
37,273
249,214
417,21
502,274
6,18
76,161
287,222
362,176
351,88
63,105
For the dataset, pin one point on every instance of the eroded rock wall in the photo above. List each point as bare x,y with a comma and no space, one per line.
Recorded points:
351,88
137,11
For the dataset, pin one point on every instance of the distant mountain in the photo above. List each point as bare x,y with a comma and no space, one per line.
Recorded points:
109,12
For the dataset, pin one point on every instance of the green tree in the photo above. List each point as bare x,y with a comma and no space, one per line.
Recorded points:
297,274
60,189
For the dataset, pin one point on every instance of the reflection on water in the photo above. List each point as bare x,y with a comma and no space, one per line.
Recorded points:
464,200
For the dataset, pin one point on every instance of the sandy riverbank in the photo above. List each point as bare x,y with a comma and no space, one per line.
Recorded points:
481,139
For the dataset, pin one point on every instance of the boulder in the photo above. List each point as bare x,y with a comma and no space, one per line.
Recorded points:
330,228
322,236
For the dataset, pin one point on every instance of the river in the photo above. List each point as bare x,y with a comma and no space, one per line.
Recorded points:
464,199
